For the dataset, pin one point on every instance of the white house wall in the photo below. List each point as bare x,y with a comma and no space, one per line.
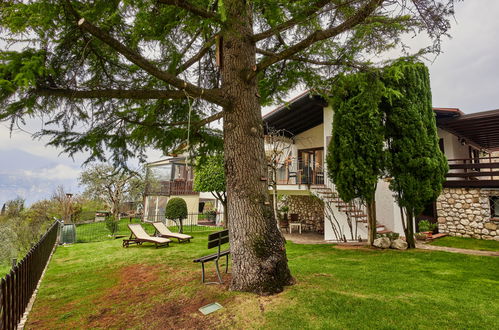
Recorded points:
453,148
387,210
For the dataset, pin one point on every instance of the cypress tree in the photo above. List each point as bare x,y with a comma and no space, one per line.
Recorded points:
355,154
416,164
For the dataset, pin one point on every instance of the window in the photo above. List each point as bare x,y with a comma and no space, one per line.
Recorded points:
494,206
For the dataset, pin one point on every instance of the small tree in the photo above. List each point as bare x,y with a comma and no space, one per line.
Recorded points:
110,184
417,165
209,176
355,154
277,149
14,207
176,209
69,207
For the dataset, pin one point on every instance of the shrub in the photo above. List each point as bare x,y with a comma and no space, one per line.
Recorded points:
176,208
112,225
211,215
425,225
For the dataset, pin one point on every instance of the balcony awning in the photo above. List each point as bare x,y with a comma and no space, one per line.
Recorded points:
480,129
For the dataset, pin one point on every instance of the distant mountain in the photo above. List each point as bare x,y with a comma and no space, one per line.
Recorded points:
34,177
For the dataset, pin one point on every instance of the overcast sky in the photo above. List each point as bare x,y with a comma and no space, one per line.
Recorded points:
465,76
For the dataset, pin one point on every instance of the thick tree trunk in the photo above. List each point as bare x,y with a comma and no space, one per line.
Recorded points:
226,215
257,247
371,221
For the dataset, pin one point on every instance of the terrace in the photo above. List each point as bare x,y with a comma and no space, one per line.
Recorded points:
170,177
478,139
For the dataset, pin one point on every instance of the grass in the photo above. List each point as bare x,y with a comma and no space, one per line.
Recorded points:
4,270
102,285
467,243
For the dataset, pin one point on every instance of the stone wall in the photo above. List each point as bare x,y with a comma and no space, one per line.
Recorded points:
310,210
466,212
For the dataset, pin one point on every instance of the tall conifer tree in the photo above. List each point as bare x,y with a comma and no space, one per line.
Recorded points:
416,163
355,154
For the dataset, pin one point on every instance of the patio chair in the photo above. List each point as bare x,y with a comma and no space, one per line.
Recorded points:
294,222
139,236
163,231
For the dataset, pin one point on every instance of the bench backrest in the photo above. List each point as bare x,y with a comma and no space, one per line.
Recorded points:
218,239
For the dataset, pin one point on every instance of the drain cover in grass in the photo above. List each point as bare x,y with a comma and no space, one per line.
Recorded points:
210,308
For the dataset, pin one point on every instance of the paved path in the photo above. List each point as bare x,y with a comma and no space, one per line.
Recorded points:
456,250
306,238
315,238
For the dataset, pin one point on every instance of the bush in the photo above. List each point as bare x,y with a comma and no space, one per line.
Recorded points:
112,225
425,225
211,215
176,208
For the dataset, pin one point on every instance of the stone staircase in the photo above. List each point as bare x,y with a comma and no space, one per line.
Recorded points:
356,213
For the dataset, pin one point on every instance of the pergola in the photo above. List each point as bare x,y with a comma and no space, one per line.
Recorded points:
480,129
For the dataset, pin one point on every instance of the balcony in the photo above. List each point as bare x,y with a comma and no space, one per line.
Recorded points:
473,173
299,173
170,188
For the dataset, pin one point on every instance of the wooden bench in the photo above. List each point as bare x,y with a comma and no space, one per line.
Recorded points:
216,240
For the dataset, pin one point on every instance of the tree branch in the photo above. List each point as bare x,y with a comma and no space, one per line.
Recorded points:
210,95
292,22
336,62
195,124
139,94
319,35
190,8
196,57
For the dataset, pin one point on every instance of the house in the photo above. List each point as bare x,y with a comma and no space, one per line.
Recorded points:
172,177
468,205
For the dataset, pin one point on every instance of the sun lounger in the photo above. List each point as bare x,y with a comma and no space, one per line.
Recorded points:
140,236
163,231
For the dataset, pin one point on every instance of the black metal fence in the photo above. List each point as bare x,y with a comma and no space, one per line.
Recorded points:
18,286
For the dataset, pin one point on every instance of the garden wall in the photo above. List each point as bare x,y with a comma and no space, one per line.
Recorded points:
466,212
310,210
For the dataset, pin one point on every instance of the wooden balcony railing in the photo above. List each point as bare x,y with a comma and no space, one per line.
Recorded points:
169,188
473,173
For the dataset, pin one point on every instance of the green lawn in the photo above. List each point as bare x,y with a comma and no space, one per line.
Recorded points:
4,269
467,243
102,285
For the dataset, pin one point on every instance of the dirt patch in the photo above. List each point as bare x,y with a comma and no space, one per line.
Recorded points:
159,297
352,247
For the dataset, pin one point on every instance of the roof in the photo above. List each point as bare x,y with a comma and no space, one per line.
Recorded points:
481,128
298,115
167,161
306,111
